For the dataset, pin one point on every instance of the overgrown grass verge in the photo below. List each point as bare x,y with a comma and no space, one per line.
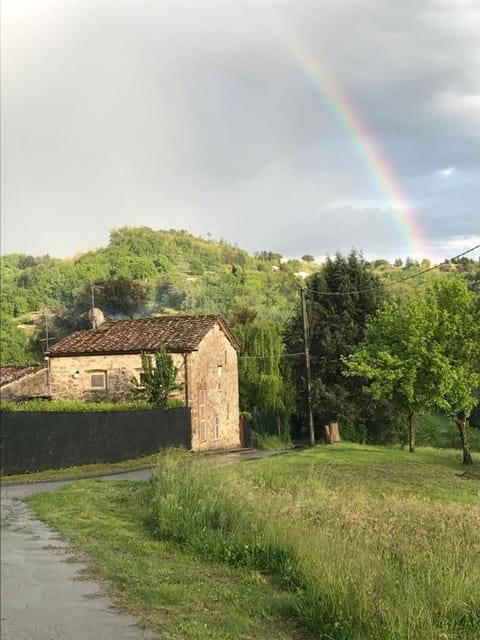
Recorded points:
81,471
269,442
175,595
359,565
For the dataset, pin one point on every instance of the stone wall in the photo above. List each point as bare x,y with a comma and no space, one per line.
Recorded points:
71,376
33,385
214,368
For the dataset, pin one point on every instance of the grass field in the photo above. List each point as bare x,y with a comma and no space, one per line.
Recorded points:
347,542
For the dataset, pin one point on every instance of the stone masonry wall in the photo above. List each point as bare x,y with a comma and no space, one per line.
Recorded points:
70,376
215,351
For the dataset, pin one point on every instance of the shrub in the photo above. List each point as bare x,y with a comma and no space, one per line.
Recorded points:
70,406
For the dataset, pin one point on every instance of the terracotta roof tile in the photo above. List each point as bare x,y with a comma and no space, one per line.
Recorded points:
172,333
13,373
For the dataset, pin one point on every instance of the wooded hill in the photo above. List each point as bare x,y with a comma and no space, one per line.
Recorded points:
143,272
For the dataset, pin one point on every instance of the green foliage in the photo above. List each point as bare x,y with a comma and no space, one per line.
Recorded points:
457,332
424,354
349,535
185,596
270,442
266,392
71,406
340,299
192,506
15,345
157,380
121,295
438,430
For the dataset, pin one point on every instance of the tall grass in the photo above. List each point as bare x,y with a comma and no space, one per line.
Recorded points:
358,566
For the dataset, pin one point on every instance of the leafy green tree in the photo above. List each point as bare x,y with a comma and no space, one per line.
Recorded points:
308,258
424,354
266,392
157,380
458,334
340,299
396,358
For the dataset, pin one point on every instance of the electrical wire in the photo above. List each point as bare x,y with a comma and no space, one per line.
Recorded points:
282,355
392,284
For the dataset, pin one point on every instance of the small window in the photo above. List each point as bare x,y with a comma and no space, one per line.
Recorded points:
98,380
217,427
219,375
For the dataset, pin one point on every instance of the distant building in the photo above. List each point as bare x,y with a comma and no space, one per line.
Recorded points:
24,382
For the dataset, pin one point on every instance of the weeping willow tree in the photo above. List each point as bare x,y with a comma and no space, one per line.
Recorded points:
266,392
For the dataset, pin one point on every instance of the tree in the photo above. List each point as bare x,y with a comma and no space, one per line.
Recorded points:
425,354
340,298
265,389
458,333
308,258
396,359
157,380
115,296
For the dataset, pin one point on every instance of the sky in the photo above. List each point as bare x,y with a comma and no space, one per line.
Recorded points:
295,126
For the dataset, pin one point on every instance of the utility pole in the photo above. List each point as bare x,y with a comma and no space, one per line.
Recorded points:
308,376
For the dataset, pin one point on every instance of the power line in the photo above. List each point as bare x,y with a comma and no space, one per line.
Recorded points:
282,355
392,284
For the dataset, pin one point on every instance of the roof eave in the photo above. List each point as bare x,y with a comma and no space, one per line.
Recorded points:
123,352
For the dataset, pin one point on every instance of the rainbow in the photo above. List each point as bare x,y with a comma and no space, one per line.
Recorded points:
362,140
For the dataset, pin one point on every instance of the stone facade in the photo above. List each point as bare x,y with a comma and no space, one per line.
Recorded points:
80,377
213,378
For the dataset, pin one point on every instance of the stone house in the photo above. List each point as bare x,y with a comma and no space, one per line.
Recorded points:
24,382
99,364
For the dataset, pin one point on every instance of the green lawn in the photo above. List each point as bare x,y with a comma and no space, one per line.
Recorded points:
348,542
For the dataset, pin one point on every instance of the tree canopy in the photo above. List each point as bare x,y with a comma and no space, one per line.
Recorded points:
424,354
340,299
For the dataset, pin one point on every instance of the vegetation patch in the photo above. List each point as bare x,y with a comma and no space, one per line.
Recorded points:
176,596
350,542
78,406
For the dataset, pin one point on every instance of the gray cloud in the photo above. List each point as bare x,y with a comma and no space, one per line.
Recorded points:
199,115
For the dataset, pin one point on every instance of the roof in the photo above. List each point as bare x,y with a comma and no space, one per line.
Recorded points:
14,373
178,334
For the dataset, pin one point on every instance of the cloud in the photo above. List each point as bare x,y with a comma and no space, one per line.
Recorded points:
200,115
447,172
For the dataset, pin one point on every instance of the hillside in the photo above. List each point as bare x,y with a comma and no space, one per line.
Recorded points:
163,271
